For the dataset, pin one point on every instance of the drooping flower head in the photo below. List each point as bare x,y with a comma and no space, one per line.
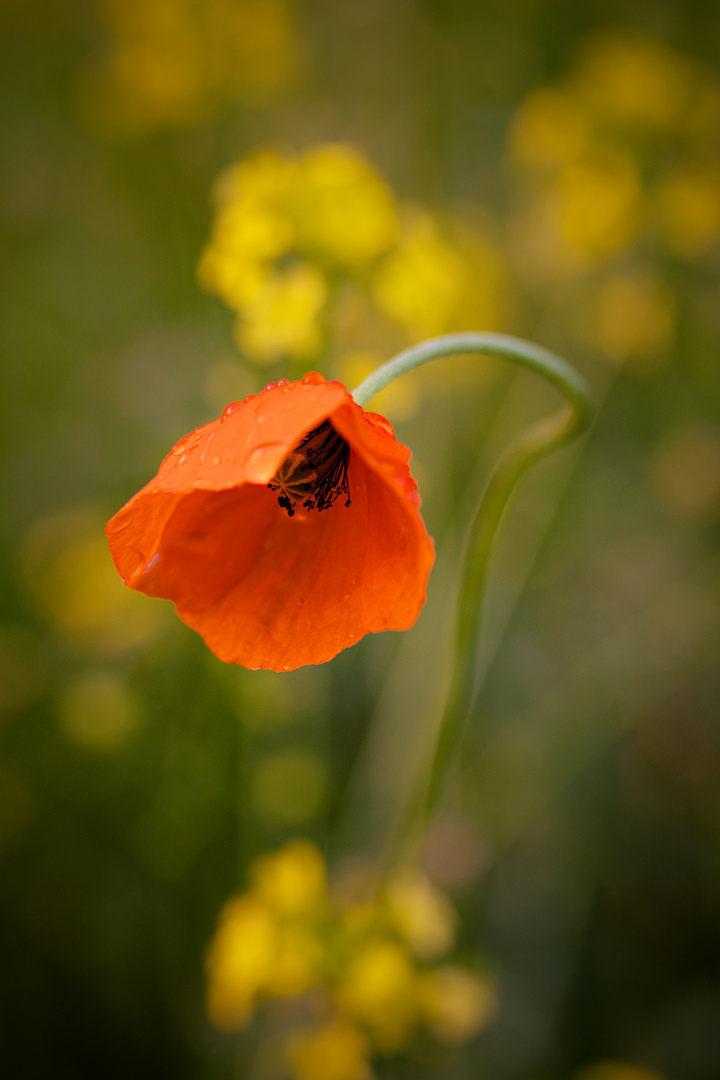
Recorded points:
284,531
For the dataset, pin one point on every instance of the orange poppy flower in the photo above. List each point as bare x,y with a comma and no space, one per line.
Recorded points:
284,531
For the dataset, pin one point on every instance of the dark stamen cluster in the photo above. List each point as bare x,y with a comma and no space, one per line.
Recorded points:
316,471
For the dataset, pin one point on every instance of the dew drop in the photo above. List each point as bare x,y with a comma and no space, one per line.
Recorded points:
179,449
230,409
264,460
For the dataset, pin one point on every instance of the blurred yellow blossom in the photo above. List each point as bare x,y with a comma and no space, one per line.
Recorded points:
455,1003
98,710
596,206
616,154
297,962
173,62
240,961
346,212
291,880
379,989
313,249
253,226
635,79
361,965
576,219
336,1051
688,206
548,130
634,316
423,915
282,318
326,210
419,285
71,574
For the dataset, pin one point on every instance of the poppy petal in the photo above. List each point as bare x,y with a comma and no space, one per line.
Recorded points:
265,589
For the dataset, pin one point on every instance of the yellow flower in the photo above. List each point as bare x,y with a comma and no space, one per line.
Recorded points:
298,961
174,62
282,317
239,961
577,218
423,915
286,937
455,1004
71,575
634,316
379,990
548,130
336,1051
291,880
419,285
345,210
253,227
688,205
267,942
595,205
634,79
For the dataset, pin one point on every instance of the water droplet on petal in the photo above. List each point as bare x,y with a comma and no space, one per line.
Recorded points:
179,449
264,461
216,460
230,409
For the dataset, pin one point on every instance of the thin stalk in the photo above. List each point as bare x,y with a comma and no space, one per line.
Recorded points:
540,439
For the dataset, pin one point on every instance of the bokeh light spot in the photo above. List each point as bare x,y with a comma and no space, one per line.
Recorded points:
98,711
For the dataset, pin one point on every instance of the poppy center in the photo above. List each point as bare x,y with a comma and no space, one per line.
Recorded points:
316,471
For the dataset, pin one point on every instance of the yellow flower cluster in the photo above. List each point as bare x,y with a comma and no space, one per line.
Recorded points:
619,165
306,247
367,973
173,62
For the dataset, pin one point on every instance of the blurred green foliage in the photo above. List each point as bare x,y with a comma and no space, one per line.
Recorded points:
580,831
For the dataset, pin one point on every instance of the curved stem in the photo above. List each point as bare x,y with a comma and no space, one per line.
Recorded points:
524,353
544,436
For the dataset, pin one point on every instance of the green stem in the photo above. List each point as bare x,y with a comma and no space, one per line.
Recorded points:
538,440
